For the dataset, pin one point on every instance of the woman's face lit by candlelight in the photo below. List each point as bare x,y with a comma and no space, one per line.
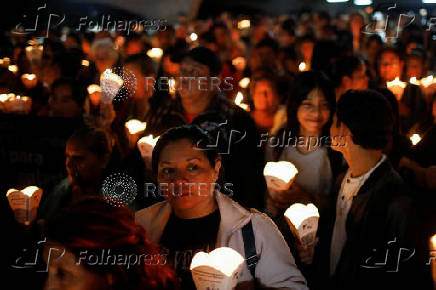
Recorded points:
313,113
265,97
186,176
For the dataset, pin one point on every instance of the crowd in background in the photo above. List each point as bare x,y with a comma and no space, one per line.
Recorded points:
299,69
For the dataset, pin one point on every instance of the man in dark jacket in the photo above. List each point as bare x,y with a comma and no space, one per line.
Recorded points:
199,101
373,242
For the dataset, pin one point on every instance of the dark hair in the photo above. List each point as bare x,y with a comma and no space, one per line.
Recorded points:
268,42
303,84
93,225
95,141
206,57
369,117
289,26
143,61
344,66
199,137
77,89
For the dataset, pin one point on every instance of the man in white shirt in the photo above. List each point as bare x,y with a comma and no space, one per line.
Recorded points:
374,214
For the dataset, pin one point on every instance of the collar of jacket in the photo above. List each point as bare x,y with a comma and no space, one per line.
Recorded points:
233,218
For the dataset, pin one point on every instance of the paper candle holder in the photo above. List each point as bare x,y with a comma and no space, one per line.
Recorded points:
135,126
110,84
146,145
219,269
303,221
24,203
279,175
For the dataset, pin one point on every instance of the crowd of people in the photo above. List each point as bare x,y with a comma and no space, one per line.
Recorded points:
345,107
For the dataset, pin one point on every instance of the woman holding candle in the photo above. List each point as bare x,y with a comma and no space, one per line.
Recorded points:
197,217
309,111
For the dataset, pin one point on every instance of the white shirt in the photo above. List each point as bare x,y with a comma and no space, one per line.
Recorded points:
314,170
349,188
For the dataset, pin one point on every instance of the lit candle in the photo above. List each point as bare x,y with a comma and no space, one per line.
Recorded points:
432,255
19,104
172,86
85,62
414,81
29,80
13,68
110,85
302,66
397,87
146,145
135,126
155,53
428,81
219,269
244,83
303,221
238,102
243,24
6,61
239,63
93,89
279,175
24,203
415,138
193,36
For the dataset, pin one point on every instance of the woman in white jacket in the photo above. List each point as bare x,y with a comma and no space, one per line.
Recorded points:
197,217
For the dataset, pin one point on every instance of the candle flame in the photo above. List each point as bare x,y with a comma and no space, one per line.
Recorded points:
244,82
238,102
396,83
172,85
135,126
433,242
93,89
224,259
85,62
29,191
149,140
13,68
244,24
29,76
414,81
428,81
193,36
302,66
415,138
155,53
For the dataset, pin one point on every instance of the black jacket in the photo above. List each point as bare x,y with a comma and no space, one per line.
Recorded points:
381,221
238,144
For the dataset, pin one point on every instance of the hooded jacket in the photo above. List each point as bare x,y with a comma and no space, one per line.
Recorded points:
276,267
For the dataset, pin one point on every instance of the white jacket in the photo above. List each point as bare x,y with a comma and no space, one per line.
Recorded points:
276,267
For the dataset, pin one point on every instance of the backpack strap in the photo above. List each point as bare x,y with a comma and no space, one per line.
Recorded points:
250,248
